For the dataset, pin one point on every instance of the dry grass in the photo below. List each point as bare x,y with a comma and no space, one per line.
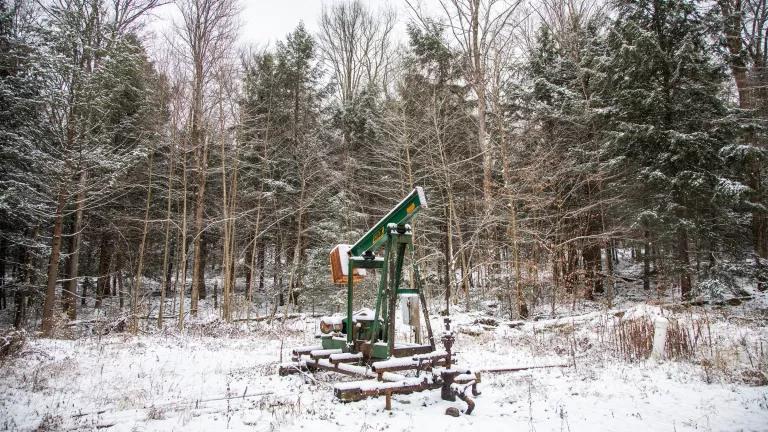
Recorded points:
633,339
679,344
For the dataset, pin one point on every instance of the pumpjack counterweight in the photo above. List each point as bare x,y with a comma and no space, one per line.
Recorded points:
362,343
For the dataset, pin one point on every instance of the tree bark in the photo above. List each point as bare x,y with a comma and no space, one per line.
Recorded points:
70,290
183,263
53,265
105,265
683,262
167,247
478,83
262,259
296,262
25,277
3,253
137,293
447,252
198,260
647,261
119,279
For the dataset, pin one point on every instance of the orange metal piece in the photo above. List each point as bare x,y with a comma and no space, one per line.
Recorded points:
340,266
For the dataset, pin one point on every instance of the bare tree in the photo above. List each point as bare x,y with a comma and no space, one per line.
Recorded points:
478,26
208,31
355,45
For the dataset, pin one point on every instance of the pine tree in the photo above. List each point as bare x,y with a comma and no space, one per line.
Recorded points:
27,157
287,168
667,123
562,106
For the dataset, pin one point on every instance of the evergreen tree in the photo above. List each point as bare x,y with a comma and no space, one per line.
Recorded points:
27,160
561,105
667,123
287,169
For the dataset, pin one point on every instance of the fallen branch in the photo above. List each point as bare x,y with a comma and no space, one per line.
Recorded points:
276,317
734,301
518,369
178,405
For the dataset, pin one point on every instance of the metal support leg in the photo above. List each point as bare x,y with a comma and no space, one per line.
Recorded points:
422,300
381,291
350,286
394,286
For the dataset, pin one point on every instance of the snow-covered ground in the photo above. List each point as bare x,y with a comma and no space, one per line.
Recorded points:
217,377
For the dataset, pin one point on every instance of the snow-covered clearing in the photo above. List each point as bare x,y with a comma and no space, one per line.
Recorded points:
216,377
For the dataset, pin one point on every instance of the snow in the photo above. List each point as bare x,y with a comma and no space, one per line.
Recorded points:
364,314
332,319
203,382
430,355
324,352
394,363
345,357
308,348
344,259
660,325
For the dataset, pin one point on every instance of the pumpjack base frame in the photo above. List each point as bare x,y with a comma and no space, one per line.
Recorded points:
453,383
433,370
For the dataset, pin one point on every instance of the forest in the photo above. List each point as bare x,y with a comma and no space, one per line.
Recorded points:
159,175
546,135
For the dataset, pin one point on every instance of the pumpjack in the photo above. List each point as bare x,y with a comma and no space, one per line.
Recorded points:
363,343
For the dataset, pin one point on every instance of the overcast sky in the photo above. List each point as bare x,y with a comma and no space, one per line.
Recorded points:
266,21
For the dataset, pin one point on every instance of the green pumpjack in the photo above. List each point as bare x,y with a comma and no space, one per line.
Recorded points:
374,336
363,344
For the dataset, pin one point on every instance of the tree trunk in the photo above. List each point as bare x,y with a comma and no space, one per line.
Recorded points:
70,290
447,269
119,277
215,294
201,288
137,294
592,268
462,255
198,261
3,253
683,262
250,258
84,292
250,274
277,283
296,262
105,264
25,277
167,260
611,282
647,261
53,265
522,307
262,258
228,251
183,258
478,83
557,271
759,216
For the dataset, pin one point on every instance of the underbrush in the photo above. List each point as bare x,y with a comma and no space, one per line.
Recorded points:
12,343
723,350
